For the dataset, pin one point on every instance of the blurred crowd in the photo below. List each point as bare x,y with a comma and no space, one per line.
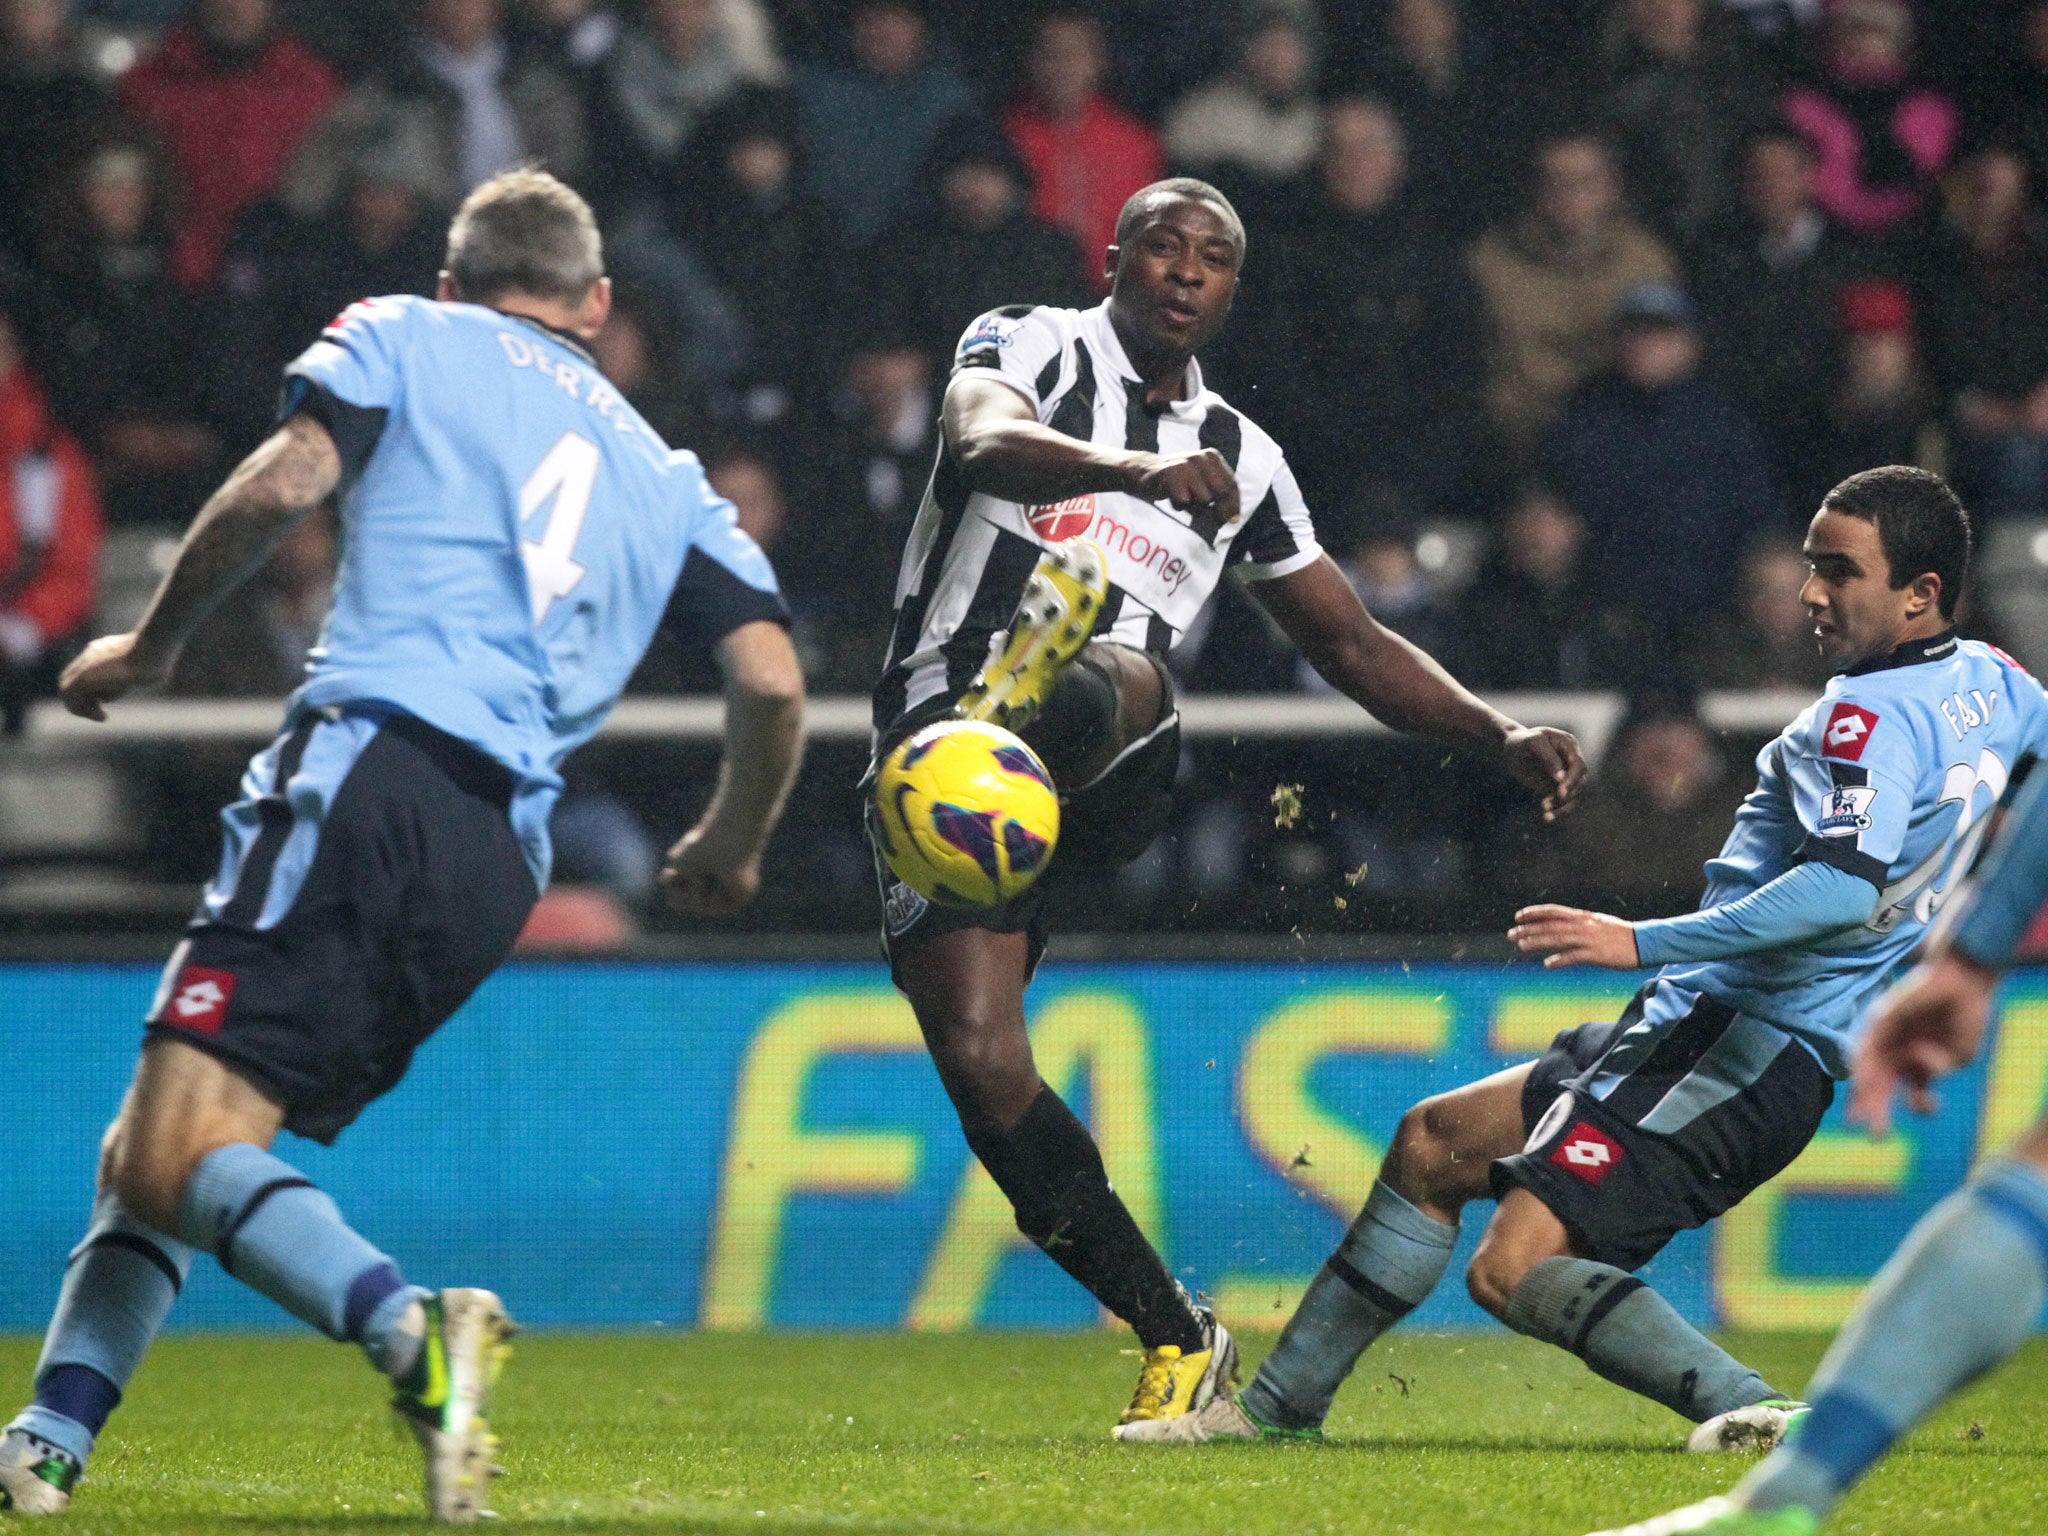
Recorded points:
1566,311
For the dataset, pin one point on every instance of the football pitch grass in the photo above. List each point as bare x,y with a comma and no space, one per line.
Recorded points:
785,1434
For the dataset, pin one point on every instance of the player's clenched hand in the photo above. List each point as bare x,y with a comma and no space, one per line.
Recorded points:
105,670
1548,761
1190,481
1927,1026
1570,936
703,880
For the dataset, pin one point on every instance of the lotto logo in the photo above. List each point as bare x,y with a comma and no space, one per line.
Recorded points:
1848,732
199,1000
1587,1153
1063,519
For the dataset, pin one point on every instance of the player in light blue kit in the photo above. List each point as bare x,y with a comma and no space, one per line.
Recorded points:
1966,1288
1866,811
513,535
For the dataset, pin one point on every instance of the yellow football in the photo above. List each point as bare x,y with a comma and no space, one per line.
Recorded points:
967,814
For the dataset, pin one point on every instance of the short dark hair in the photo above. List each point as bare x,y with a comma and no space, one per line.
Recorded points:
1139,201
1920,523
524,232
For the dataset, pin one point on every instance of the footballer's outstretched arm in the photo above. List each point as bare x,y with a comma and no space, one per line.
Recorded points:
241,524
716,868
1005,450
1401,685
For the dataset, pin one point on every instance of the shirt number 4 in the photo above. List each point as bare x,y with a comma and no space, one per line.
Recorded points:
566,477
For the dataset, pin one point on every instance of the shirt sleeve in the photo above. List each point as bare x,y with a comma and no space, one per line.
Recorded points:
1995,910
1807,902
1278,538
1020,344
350,380
726,581
1851,770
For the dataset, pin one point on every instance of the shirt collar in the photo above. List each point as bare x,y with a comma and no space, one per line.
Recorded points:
1933,648
573,342
1102,335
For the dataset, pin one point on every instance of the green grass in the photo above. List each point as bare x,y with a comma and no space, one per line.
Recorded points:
786,1434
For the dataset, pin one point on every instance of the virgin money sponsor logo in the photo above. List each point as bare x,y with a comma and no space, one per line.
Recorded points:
1063,519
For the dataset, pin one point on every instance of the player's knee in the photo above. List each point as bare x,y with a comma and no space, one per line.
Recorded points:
148,1178
987,1072
1491,1278
1424,1153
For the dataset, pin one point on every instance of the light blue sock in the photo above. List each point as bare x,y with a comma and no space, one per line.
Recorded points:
1629,1334
1960,1295
118,1288
273,1230
1387,1265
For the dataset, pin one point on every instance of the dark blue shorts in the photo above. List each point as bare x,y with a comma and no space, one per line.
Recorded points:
1638,1133
371,882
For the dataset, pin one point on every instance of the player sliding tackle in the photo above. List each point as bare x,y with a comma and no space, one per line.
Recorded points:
1866,810
1090,493
1966,1287
514,534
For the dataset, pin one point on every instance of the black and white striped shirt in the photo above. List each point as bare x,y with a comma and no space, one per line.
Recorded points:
970,554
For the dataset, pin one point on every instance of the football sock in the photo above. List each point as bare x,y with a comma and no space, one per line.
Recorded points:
273,1230
1960,1295
118,1289
1050,1168
1628,1333
1385,1267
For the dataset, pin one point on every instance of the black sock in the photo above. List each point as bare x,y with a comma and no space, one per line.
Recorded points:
1050,1168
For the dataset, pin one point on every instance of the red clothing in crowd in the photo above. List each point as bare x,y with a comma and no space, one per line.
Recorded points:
1086,169
49,518
231,129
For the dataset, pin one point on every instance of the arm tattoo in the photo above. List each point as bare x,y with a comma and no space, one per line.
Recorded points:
249,516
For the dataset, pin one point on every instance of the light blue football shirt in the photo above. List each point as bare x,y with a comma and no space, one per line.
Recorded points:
513,532
1891,776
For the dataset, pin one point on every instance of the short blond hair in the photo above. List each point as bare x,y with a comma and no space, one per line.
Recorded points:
524,231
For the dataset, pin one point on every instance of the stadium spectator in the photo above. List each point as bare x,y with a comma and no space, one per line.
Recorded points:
1989,307
2018,112
1381,566
1362,286
869,125
1258,124
1550,282
667,74
637,352
579,34
770,246
864,482
1458,111
51,106
483,103
1680,85
1767,282
49,537
1880,136
123,350
1767,640
232,97
255,644
1879,410
1655,813
984,248
1087,155
1530,619
1671,478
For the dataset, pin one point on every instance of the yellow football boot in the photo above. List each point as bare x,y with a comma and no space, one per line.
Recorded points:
1054,619
1173,1382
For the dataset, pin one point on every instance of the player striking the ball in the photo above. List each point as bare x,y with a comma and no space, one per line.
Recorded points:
1090,493
1966,1287
1866,811
514,533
